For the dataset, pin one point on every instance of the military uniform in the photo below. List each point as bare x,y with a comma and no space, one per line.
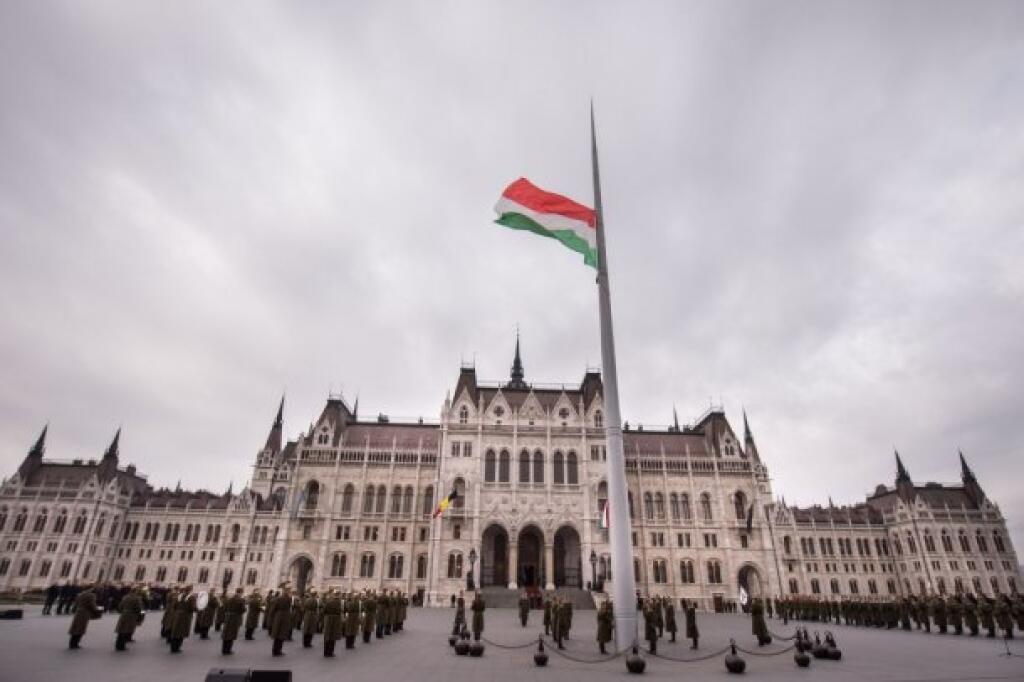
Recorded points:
757,624
650,627
1002,616
168,618
85,610
218,619
604,625
351,627
369,607
670,620
252,615
204,621
233,608
970,608
524,609
182,623
478,616
310,619
280,621
987,621
547,616
130,618
954,613
332,622
692,633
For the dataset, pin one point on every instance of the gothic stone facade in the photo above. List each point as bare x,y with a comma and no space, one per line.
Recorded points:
350,505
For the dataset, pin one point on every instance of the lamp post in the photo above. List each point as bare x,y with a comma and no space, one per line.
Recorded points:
472,562
593,571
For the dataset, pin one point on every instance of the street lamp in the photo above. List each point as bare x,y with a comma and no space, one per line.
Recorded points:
472,562
593,570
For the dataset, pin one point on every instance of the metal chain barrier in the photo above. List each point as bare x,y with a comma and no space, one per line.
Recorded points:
780,637
530,643
753,652
552,646
695,659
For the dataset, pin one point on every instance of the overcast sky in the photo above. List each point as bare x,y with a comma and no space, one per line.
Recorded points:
815,210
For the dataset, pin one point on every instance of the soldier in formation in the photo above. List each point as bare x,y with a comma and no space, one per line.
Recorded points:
130,618
478,616
524,608
692,633
234,609
605,625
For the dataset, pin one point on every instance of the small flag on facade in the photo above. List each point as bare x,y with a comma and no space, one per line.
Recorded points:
750,517
603,522
446,502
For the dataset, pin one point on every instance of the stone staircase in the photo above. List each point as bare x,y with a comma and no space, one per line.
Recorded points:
504,598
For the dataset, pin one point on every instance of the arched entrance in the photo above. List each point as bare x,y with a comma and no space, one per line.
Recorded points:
494,557
301,573
749,579
530,565
568,566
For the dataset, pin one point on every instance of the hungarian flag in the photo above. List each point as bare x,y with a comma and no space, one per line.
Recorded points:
445,503
602,522
524,206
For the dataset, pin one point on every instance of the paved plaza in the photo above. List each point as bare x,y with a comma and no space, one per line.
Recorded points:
36,649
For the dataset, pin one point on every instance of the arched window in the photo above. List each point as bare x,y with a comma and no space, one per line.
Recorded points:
312,494
454,565
648,507
705,507
395,562
382,494
538,466
524,467
660,571
997,541
684,507
347,496
947,542
490,470
463,415
872,586
459,485
929,541
598,419
280,497
981,542
366,565
911,545
428,500
659,505
794,588
573,468
833,585
504,466
235,530
673,503
602,496
941,584
407,500
740,502
714,572
558,467
686,575
421,567
854,586
79,526
40,525
965,542
368,496
396,500
21,519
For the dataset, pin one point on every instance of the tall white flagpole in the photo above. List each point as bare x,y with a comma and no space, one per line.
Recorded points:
622,553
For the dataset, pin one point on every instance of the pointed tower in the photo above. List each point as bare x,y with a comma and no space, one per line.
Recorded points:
904,486
748,440
108,465
276,435
34,459
971,485
517,374
675,419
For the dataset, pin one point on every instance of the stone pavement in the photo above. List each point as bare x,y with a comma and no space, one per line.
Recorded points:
36,649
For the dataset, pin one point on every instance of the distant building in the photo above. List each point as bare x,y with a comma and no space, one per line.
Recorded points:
349,504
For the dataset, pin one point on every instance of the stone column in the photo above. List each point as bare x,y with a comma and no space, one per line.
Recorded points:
513,565
549,566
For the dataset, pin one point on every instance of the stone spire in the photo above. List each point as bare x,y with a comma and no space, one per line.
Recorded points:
34,458
108,465
971,485
275,437
748,440
517,374
904,486
675,419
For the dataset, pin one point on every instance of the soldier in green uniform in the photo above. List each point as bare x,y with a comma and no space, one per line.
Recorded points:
233,608
557,616
604,625
1003,616
310,618
970,609
524,608
460,614
478,616
168,618
369,606
547,614
218,619
1018,610
85,610
296,614
954,613
268,614
252,613
204,621
280,619
182,624
650,625
692,633
351,627
939,609
332,621
985,608
130,618
670,620
380,615
757,624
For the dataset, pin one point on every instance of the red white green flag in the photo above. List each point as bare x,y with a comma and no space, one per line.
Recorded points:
524,206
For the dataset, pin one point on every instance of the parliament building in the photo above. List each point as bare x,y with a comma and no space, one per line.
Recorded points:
350,504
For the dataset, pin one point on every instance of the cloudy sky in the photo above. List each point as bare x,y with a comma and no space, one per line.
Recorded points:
814,210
